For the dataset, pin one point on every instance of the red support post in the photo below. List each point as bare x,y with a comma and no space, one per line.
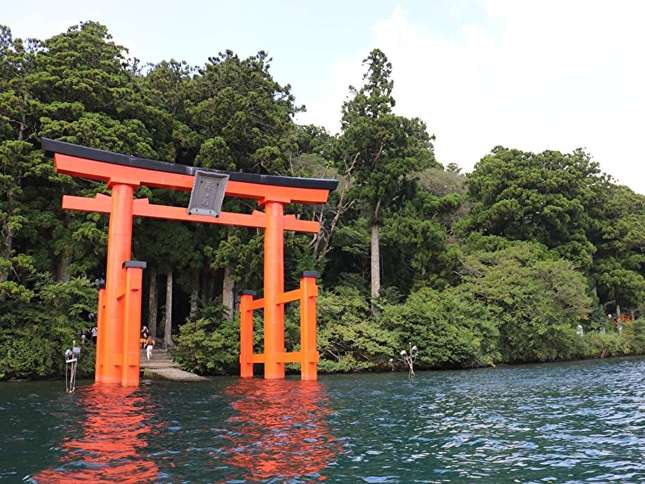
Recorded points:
246,334
100,336
132,322
273,289
308,347
119,251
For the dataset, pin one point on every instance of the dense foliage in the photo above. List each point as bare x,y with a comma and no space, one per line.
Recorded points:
505,264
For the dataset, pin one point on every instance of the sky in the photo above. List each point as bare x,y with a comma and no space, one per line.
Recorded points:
532,75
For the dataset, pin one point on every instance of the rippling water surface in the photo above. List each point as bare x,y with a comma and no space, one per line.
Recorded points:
568,422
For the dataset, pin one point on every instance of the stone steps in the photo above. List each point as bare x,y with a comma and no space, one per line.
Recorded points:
174,374
161,365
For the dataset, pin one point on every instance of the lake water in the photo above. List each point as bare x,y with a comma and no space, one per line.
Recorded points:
570,422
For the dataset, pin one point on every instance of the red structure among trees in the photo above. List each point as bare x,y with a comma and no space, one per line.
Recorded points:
119,311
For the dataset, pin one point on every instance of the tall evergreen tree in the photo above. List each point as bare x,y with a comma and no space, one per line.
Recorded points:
387,150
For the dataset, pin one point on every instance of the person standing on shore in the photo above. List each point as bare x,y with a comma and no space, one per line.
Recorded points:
150,343
144,335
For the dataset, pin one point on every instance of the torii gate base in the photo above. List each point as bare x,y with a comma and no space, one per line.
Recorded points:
119,302
274,356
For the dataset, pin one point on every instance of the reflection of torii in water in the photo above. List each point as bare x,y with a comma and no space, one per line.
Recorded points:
114,433
281,429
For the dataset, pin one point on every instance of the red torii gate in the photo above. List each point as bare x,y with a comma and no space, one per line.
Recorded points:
119,311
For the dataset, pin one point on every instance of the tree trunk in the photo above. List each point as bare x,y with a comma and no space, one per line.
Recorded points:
8,237
65,257
207,286
375,262
194,293
6,253
228,291
62,267
167,334
152,303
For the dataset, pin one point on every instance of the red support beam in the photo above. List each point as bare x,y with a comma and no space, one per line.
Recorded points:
143,208
289,296
100,337
246,336
258,303
308,346
283,357
132,323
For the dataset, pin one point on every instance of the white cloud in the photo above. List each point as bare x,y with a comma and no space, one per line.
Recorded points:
532,75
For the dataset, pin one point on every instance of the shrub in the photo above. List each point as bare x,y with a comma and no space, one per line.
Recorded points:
348,338
537,300
635,331
450,329
207,348
35,335
607,345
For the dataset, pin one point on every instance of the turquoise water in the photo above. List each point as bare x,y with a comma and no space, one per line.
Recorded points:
572,422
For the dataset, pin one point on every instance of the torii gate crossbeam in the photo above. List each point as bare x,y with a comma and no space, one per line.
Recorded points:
119,313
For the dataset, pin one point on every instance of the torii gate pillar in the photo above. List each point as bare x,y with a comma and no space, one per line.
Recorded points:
109,368
273,289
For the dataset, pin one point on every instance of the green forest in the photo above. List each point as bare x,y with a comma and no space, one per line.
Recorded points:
530,257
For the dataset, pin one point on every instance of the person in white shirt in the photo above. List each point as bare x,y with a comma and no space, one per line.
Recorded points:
150,343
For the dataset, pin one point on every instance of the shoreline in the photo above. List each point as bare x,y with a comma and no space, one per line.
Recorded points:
402,371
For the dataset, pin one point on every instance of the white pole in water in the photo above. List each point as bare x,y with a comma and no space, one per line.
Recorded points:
409,358
71,361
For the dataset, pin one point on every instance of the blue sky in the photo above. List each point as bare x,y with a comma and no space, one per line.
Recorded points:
533,74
